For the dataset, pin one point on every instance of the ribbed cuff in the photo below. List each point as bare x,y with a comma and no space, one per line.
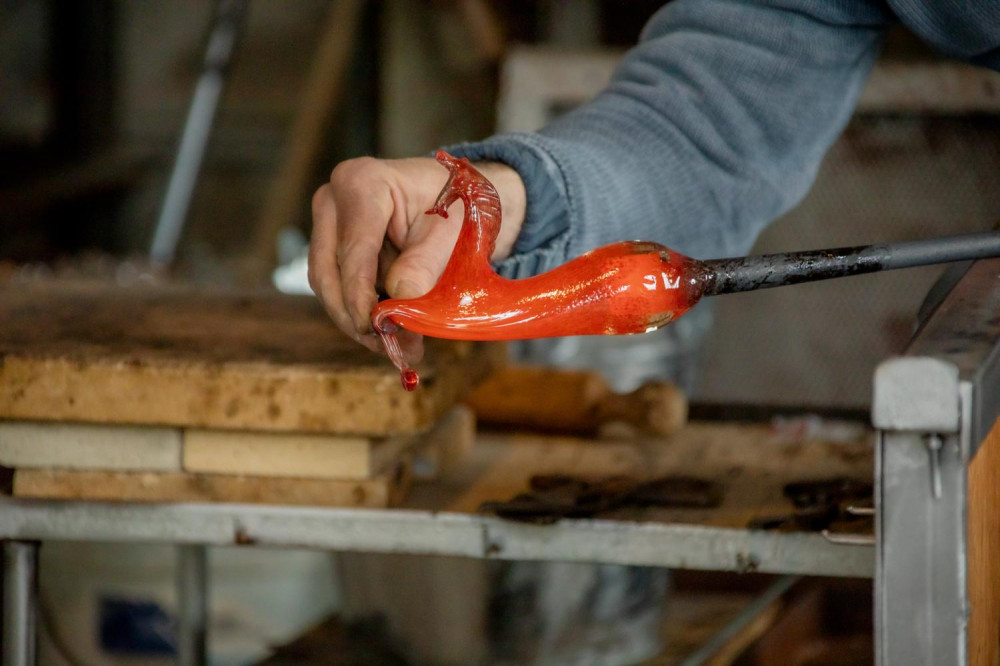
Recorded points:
543,242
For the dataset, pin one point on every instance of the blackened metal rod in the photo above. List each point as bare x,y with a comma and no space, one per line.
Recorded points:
763,271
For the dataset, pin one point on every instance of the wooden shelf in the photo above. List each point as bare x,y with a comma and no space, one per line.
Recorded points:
752,462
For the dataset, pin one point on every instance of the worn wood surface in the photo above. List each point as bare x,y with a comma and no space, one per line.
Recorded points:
306,456
244,360
752,463
84,446
41,444
379,492
574,401
984,552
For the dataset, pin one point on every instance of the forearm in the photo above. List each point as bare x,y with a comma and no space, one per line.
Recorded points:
710,129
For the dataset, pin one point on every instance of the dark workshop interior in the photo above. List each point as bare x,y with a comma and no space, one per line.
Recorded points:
198,467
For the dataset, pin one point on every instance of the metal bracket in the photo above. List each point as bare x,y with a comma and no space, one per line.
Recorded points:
916,394
842,539
934,444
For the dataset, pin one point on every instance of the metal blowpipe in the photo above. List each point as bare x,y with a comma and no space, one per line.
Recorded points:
763,271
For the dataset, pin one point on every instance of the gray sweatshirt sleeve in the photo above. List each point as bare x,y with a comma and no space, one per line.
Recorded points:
712,127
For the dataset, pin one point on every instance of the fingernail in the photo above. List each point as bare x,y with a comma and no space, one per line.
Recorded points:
406,289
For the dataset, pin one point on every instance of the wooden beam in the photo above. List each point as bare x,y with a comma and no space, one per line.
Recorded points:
304,456
984,552
383,491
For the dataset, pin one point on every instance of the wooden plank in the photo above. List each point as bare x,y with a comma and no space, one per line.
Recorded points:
288,454
752,462
386,490
210,359
88,446
984,552
574,401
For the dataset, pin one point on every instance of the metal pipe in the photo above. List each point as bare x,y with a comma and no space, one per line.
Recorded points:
229,20
192,605
727,276
708,649
20,597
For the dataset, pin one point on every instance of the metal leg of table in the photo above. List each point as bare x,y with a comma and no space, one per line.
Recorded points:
192,605
921,601
20,594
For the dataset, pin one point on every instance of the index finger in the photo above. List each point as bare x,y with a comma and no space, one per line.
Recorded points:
324,274
363,219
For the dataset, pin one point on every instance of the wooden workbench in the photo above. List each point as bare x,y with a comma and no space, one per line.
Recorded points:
751,462
215,359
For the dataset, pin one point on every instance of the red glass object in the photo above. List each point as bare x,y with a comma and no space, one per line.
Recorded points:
622,288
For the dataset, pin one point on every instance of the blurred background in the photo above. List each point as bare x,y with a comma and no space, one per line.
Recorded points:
95,96
93,102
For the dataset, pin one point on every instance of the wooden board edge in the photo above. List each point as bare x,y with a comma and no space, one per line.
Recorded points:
157,487
983,529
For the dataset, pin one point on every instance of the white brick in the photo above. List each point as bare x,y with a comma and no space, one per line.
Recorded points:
83,446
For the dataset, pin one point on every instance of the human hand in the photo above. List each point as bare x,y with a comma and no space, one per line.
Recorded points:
369,228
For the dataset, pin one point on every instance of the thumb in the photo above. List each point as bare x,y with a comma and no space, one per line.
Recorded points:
415,271
420,264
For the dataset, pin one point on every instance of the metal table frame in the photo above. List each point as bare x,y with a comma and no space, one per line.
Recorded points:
933,406
194,527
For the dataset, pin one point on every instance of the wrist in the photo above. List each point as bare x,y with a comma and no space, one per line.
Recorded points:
513,204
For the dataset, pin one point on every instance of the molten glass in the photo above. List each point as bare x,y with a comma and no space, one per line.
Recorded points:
622,288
